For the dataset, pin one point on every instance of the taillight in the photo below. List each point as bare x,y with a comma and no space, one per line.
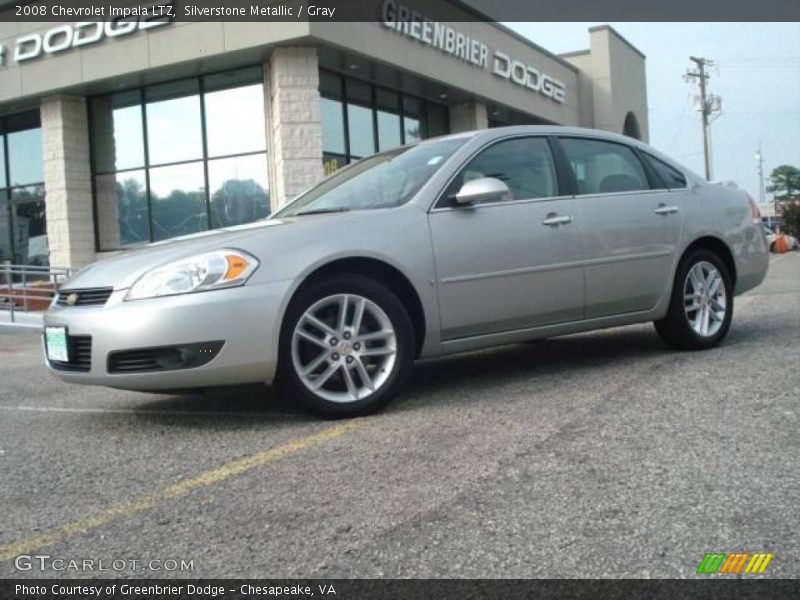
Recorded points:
755,212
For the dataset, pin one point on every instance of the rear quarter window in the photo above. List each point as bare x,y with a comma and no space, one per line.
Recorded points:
672,178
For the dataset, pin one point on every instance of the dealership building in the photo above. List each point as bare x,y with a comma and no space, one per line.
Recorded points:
121,133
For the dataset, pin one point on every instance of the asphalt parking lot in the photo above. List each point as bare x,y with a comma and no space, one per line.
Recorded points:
595,455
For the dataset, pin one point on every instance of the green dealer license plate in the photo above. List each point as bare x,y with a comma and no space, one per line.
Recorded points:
55,339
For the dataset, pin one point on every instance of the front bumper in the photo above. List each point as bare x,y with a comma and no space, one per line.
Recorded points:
246,319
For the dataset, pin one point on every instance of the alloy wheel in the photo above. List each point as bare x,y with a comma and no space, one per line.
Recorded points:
344,348
704,299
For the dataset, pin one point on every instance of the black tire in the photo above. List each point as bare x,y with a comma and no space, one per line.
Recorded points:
675,328
292,388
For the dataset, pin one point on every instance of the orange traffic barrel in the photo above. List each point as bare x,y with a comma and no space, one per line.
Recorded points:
781,244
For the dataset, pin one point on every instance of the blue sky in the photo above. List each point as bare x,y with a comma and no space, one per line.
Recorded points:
757,74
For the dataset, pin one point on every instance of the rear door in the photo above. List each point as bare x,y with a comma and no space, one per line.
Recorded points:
631,227
510,264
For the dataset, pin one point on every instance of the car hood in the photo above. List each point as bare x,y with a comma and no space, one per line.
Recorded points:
122,270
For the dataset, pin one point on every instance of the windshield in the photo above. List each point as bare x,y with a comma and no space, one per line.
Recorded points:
381,181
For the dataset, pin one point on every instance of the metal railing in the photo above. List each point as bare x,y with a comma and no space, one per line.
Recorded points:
25,288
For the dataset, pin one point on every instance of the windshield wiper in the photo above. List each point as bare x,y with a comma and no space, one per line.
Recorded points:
322,211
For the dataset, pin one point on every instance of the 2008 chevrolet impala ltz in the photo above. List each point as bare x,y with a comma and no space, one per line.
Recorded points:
452,244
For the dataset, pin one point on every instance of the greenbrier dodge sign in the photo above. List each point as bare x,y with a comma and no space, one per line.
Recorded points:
412,24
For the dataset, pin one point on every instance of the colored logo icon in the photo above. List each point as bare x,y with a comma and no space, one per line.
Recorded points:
734,562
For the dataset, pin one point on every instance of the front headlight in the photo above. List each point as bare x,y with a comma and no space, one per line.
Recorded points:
209,271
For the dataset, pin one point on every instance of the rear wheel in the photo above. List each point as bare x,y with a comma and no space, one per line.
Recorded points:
701,305
347,346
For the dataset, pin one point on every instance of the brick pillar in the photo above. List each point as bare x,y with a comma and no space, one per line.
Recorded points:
294,130
468,116
67,181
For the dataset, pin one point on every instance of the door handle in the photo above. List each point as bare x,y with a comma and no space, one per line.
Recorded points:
663,209
554,220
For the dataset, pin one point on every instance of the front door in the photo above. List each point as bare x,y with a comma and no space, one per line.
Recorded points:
509,264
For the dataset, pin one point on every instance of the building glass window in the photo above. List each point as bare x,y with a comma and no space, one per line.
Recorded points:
125,203
235,131
29,225
437,120
359,119
174,125
23,226
3,181
333,140
6,250
118,135
388,115
361,131
238,190
194,157
177,200
412,119
25,157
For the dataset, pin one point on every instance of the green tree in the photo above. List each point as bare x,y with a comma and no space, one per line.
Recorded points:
785,182
790,211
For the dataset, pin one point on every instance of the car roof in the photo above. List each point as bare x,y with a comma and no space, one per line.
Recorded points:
546,130
496,133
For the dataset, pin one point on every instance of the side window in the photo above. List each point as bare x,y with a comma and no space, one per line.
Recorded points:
602,167
524,164
672,178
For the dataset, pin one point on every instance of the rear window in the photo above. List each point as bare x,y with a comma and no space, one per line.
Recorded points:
602,167
672,178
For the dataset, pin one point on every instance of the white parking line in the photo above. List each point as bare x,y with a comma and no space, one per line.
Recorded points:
179,490
133,411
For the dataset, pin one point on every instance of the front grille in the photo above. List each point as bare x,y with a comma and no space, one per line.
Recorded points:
79,350
86,297
163,358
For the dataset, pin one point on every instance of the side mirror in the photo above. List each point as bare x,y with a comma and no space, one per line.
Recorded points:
485,189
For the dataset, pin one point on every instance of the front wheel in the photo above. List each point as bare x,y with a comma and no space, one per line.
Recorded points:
701,305
347,345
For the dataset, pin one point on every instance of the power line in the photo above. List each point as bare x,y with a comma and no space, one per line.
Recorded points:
679,125
759,58
748,65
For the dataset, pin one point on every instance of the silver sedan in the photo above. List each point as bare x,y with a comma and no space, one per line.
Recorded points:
453,244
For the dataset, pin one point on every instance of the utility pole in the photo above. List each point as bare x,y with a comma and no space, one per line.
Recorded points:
709,104
760,167
760,170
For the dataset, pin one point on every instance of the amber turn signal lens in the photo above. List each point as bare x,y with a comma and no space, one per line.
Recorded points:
236,266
